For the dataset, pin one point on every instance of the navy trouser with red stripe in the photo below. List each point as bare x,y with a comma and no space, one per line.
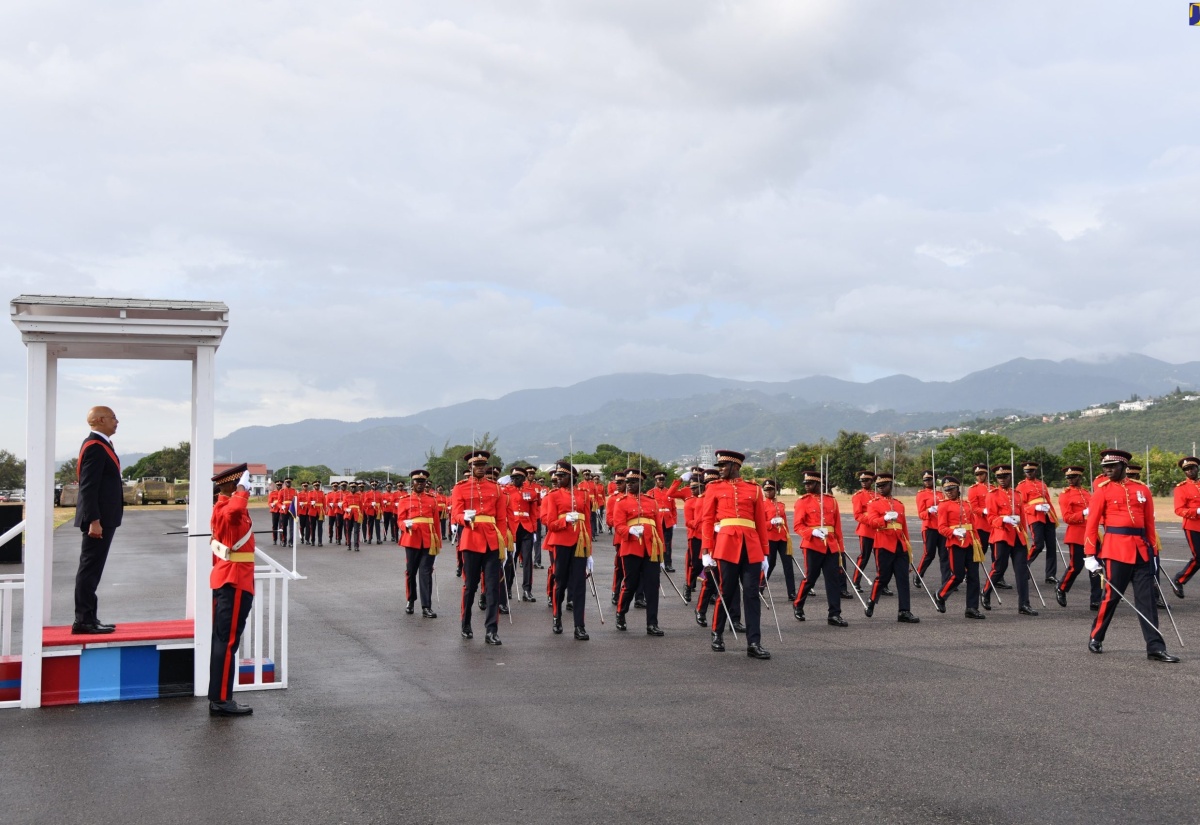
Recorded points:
570,577
1193,540
821,563
889,563
1119,575
866,545
1074,568
779,555
741,575
230,609
962,566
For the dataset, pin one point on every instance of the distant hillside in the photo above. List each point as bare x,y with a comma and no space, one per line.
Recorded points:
1173,424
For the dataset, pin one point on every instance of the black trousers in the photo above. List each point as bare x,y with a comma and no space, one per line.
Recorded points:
618,571
486,565
390,532
317,526
1000,552
275,525
285,528
1019,556
730,576
892,563
1044,536
866,545
231,606
1074,569
92,555
1189,570
962,565
691,563
668,535
570,580
641,575
418,576
821,563
778,554
935,544
370,528
1119,575
524,552
353,532
538,535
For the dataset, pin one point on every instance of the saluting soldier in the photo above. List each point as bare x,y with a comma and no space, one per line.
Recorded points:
1125,509
1187,507
893,552
478,507
1073,503
779,540
818,523
734,534
1006,514
232,583
565,513
416,514
957,527
637,528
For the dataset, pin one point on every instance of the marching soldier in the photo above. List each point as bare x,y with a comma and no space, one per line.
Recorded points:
564,512
522,520
302,511
539,491
333,505
819,524
1006,514
935,546
1041,518
371,513
1187,507
1073,502
316,507
609,505
352,516
977,497
691,523
734,537
388,499
273,498
637,528
1125,509
478,506
779,540
286,526
232,583
893,552
416,515
957,527
670,515
866,534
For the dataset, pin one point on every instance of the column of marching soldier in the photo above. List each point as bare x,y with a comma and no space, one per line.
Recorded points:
737,535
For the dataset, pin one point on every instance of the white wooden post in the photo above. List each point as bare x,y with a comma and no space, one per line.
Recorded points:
39,515
199,596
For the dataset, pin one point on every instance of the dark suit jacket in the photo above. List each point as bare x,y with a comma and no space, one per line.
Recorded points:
100,489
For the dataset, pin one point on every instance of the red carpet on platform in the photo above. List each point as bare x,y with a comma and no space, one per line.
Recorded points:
62,636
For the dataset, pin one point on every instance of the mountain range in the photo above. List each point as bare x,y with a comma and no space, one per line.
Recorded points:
672,415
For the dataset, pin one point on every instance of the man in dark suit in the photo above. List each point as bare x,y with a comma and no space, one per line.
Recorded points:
97,515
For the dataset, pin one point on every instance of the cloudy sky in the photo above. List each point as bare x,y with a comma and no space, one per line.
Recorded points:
411,204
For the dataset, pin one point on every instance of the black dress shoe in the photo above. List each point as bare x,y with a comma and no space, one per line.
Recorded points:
837,621
718,643
427,613
887,591
467,634
640,604
614,598
653,630
916,580
756,651
1161,656
907,617
537,566
701,619
1060,597
503,609
232,708
940,603
1026,610
621,625
1160,604
986,601
870,611
556,626
1051,580
1094,607
492,639
570,604
483,603
972,613
738,626
1095,645
668,568
526,596
1176,588
91,629
106,625
846,594
799,614
1003,585
581,635
410,608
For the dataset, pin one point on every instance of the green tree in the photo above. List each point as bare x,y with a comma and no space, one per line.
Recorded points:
621,460
1078,453
68,472
959,453
447,467
12,471
847,456
799,458
170,462
1162,471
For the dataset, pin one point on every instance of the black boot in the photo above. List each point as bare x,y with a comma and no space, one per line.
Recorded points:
718,643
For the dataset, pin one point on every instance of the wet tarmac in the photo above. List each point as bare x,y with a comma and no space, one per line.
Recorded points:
392,718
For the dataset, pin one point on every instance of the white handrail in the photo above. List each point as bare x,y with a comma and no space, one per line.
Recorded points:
12,533
266,633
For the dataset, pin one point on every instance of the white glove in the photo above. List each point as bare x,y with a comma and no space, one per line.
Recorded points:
766,563
1092,564
959,532
818,533
571,517
504,481
244,480
1013,520
469,515
777,521
707,560
891,515
636,531
1087,510
717,528
932,510
408,524
985,511
590,564
1042,508
686,477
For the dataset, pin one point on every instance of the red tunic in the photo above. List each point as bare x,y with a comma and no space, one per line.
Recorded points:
955,515
724,503
858,508
691,516
231,521
1000,504
1187,500
666,505
1072,502
487,499
418,506
1121,506
775,509
925,500
809,516
977,496
889,535
640,510
1036,492
523,508
554,508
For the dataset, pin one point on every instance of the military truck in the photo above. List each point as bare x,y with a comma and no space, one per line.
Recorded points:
69,496
155,488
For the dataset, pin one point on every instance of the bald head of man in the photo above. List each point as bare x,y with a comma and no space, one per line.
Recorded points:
102,420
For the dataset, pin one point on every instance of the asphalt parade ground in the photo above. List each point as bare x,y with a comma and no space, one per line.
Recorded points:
393,718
